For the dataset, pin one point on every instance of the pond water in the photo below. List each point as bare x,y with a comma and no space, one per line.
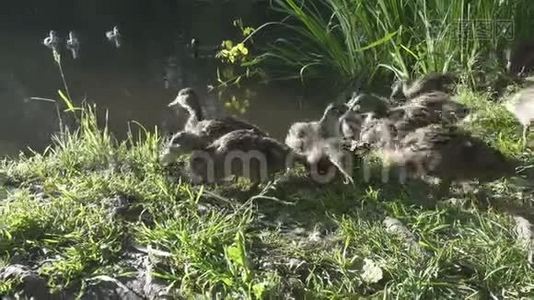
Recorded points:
133,82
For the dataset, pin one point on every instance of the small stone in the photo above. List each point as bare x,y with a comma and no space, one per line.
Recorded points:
372,273
33,286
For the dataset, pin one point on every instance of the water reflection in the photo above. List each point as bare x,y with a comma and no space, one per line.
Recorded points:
134,82
73,44
114,36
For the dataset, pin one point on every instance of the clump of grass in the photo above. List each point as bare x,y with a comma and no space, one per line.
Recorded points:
493,122
75,212
324,45
353,40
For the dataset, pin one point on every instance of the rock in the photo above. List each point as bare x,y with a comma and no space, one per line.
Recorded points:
32,285
395,227
523,229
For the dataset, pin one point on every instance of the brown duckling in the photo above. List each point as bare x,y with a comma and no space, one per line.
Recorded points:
449,154
402,90
240,153
369,103
442,105
426,109
209,129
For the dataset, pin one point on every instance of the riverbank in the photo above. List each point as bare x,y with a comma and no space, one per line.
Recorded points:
96,215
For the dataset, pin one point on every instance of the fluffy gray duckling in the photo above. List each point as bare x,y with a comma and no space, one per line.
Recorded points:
208,129
240,153
321,141
521,105
379,133
402,90
449,154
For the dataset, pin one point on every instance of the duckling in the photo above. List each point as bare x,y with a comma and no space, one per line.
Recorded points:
521,105
402,90
240,152
114,36
361,107
442,104
351,123
328,125
73,44
303,137
365,133
181,143
52,41
451,155
368,103
378,133
321,140
210,129
424,110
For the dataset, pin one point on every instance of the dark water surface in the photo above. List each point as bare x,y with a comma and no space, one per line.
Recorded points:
128,81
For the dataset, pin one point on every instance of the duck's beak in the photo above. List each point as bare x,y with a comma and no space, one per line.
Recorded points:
174,103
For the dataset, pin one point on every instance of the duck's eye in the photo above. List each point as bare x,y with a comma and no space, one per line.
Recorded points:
301,134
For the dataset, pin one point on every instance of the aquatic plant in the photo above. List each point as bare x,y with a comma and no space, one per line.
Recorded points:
324,39
347,40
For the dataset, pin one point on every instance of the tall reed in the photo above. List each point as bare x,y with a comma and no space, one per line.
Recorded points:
347,40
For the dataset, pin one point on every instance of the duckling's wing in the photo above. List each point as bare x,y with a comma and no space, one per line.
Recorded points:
429,83
276,152
416,117
216,128
368,103
248,140
240,124
351,124
427,139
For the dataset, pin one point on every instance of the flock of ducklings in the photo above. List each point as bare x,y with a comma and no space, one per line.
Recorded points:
415,130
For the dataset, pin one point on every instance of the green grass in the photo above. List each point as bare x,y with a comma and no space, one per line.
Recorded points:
60,215
344,41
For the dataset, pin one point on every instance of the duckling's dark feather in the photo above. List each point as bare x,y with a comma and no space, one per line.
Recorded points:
453,154
246,142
